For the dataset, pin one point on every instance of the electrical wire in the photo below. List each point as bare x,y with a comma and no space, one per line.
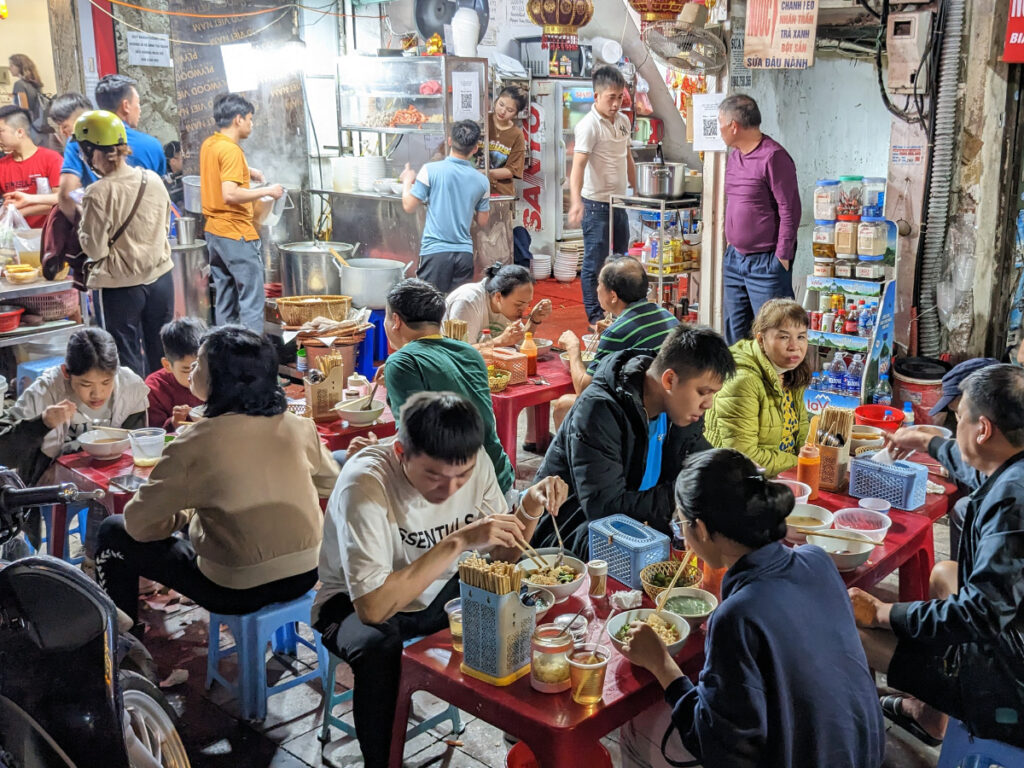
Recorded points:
238,14
879,45
254,33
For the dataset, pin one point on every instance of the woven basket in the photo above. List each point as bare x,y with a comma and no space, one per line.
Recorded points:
692,577
298,310
499,380
51,306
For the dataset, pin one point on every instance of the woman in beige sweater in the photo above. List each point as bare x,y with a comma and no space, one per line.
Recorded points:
125,218
246,480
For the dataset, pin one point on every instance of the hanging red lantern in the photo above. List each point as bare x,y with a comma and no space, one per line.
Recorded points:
560,20
657,10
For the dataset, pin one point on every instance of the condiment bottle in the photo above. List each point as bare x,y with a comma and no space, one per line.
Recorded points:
529,348
359,383
487,347
808,468
598,570
302,360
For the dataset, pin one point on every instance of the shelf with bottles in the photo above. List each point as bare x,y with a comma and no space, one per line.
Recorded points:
845,285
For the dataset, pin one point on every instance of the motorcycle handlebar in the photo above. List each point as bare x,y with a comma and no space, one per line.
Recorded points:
13,498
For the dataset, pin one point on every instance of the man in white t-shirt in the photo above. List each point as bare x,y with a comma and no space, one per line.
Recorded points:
399,517
601,166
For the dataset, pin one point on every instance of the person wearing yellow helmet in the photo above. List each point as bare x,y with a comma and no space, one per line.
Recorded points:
126,216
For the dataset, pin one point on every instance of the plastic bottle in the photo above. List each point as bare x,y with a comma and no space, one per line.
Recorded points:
529,348
828,321
487,347
864,322
816,381
302,360
883,392
850,326
808,468
823,378
837,374
840,321
854,374
908,415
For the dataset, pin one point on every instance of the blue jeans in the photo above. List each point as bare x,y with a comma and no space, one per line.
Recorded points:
748,282
595,250
237,268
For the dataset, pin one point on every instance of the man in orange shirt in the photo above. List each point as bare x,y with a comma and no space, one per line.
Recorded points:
231,236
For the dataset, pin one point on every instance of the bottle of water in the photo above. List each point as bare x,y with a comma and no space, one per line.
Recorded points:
837,374
853,376
908,415
883,392
823,384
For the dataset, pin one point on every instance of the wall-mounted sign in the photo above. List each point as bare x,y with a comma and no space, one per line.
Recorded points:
1013,50
146,50
780,34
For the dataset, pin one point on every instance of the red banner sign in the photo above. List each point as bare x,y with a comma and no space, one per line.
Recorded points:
1013,51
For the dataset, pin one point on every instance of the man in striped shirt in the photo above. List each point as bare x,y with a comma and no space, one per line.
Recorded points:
639,324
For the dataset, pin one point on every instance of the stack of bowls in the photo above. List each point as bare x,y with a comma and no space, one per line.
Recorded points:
541,266
370,169
565,266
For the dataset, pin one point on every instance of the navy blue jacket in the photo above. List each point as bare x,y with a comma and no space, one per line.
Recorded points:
785,682
980,629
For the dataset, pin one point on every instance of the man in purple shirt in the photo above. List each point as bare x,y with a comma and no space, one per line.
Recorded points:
762,214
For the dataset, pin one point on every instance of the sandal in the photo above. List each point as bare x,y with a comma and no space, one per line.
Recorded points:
892,708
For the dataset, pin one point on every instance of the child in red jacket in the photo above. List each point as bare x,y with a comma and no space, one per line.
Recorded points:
170,398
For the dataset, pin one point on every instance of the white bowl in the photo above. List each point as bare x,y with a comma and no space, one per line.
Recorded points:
351,411
876,505
801,491
694,620
549,601
104,445
397,187
587,358
543,347
847,555
943,432
793,536
618,620
865,436
548,555
872,524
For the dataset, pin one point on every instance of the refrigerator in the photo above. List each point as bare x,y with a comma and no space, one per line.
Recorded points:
556,106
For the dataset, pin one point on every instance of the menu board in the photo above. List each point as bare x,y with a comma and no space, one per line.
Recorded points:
278,143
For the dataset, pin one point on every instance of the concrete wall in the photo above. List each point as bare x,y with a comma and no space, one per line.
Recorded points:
831,120
27,30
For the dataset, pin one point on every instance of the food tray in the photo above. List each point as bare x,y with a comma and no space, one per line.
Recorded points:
627,546
904,484
513,362
298,310
496,635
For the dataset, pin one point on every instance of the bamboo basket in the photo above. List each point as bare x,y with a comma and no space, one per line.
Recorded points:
297,310
691,577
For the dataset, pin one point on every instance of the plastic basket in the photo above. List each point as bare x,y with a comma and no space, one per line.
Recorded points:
497,631
513,362
51,306
627,546
904,484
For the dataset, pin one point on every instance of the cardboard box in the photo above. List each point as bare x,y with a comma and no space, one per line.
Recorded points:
321,397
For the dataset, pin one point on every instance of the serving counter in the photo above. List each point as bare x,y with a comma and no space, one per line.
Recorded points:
386,230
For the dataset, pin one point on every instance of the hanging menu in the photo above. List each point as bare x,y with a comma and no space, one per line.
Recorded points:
780,34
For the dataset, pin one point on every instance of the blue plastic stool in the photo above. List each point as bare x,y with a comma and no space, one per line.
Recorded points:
274,624
329,665
374,347
961,750
81,514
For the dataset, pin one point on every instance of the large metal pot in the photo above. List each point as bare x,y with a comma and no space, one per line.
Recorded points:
368,281
191,276
661,180
308,269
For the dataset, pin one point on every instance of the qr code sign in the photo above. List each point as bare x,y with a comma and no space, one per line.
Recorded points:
466,101
710,126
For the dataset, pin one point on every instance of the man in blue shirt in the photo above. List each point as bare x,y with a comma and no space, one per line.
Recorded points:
453,191
117,94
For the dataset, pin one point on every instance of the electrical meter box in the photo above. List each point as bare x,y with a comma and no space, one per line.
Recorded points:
906,42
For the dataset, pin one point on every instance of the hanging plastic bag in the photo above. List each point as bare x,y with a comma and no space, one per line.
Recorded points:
12,224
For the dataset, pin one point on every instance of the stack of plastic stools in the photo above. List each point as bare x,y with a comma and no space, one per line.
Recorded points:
274,624
961,750
374,347
329,666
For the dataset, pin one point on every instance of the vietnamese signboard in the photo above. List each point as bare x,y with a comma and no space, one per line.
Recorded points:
1013,50
780,34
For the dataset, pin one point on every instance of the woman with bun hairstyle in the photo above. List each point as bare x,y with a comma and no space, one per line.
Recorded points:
785,681
497,303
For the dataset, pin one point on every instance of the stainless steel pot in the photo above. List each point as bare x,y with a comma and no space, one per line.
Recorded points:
661,180
308,269
368,281
191,276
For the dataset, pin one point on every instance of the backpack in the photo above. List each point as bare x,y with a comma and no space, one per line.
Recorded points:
39,121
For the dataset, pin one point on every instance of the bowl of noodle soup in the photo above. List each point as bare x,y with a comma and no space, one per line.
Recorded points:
562,584
667,625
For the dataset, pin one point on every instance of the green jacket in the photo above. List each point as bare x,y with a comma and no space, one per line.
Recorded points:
747,412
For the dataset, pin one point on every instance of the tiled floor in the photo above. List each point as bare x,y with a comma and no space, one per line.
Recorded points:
288,737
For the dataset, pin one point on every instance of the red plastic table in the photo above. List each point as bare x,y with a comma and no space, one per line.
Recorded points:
909,545
337,435
559,732
513,399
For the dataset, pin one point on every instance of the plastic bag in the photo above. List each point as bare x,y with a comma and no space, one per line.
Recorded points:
12,223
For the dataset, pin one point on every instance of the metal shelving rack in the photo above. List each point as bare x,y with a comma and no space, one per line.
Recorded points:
9,291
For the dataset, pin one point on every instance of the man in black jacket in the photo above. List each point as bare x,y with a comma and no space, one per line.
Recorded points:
962,653
624,440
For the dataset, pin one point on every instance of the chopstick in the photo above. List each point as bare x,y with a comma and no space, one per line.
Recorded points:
529,551
337,256
539,564
687,554
840,537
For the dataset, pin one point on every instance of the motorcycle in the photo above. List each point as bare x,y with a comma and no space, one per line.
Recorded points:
74,691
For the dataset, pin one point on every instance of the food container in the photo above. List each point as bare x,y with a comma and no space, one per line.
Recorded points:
656,577
847,555
824,267
875,505
870,270
846,234
104,445
10,317
355,413
598,571
368,281
192,199
845,266
903,484
549,664
661,180
801,491
826,199
577,629
873,196
823,241
851,189
872,524
309,269
797,527
147,445
548,556
872,236
496,631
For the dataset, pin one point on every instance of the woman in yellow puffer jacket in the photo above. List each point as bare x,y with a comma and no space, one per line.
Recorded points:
760,411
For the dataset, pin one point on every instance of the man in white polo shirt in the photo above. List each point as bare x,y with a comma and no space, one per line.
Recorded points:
601,165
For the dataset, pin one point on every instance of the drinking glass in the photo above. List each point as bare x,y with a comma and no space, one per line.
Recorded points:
587,666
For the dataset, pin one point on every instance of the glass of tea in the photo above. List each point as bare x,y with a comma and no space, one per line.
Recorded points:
454,610
587,666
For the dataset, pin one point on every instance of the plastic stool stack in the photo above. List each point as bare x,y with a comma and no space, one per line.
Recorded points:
329,666
374,347
274,624
961,750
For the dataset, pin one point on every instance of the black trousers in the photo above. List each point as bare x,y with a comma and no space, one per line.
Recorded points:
374,651
134,317
121,560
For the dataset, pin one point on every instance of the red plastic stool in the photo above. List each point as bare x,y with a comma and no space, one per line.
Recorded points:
520,756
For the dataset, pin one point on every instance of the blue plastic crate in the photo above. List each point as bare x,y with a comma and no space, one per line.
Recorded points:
31,370
904,484
627,546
